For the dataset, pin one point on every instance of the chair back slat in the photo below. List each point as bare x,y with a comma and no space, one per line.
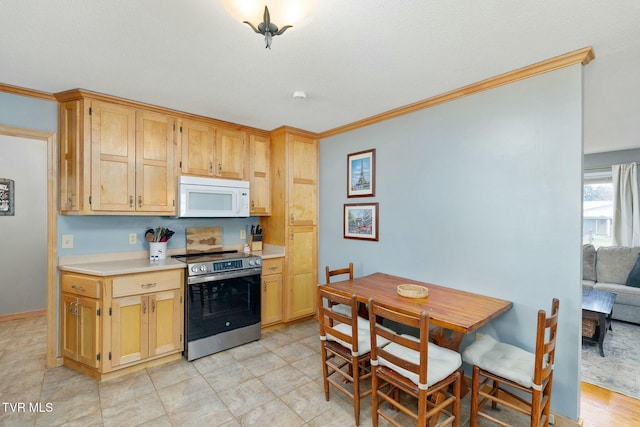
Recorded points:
546,343
377,314
338,272
329,319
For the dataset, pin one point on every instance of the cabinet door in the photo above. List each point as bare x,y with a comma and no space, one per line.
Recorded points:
80,329
155,174
129,329
88,331
302,277
303,180
231,153
69,327
165,322
259,175
271,299
198,148
113,157
69,156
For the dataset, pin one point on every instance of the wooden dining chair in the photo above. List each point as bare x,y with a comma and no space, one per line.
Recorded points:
362,308
505,368
339,272
413,366
345,347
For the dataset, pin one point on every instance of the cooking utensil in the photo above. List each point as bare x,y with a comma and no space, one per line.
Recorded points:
149,235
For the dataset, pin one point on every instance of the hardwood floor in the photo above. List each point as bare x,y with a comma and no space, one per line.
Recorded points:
600,407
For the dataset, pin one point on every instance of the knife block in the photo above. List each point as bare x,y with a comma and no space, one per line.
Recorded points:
256,245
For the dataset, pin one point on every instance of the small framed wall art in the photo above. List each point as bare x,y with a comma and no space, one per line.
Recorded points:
6,197
361,221
361,174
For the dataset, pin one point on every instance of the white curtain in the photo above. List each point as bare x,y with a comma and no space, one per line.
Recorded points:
626,212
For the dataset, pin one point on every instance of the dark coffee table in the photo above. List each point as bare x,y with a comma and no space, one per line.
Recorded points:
597,307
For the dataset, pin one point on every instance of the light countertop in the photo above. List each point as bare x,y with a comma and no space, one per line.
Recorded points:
112,264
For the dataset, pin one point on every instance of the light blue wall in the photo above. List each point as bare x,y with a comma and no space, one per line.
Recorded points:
103,234
28,113
481,194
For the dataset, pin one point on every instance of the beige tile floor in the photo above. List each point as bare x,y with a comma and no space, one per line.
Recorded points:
276,381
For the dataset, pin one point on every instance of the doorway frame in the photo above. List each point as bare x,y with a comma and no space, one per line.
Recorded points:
52,229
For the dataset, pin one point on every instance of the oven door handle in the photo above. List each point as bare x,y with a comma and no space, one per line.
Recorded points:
223,276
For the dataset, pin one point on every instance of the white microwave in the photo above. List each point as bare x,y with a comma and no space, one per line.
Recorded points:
212,197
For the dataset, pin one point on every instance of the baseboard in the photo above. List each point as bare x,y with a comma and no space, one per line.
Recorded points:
23,315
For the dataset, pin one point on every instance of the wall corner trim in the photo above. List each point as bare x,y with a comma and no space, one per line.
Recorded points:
581,56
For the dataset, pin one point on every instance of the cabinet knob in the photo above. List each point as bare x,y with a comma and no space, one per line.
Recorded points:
144,307
153,306
148,285
139,201
211,168
130,201
293,218
219,168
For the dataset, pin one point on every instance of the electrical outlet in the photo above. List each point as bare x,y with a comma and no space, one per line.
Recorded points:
552,419
133,238
243,234
67,241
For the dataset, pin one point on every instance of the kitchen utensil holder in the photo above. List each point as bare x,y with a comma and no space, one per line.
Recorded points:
157,251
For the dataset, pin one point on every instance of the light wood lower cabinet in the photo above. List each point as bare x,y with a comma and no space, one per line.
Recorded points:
131,319
271,300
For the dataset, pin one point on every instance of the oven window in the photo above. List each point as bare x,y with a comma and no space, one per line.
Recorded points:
221,306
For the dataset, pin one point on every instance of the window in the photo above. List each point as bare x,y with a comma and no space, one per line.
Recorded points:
597,209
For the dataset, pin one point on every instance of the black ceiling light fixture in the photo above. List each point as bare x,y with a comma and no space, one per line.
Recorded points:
267,28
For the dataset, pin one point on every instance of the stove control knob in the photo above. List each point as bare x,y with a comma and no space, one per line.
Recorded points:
194,268
251,262
203,267
258,261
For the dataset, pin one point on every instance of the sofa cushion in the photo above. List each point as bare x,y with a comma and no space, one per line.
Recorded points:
634,275
627,295
588,284
589,262
614,263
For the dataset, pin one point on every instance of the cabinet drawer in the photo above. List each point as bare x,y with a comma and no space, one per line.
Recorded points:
271,266
137,284
80,285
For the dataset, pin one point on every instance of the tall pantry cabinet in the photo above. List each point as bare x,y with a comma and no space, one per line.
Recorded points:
294,217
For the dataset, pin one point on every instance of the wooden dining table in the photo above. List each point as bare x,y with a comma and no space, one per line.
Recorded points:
452,312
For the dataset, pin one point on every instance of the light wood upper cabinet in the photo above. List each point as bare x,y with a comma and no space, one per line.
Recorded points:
260,175
232,153
214,151
115,158
198,148
70,157
155,172
303,189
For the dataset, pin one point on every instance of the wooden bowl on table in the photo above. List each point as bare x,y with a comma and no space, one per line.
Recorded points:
412,291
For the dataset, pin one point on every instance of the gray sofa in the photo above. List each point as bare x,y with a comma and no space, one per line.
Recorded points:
607,269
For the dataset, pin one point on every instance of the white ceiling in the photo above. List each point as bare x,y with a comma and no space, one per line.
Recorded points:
354,58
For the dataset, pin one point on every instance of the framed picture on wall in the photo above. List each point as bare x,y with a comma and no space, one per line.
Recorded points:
361,174
6,197
361,221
